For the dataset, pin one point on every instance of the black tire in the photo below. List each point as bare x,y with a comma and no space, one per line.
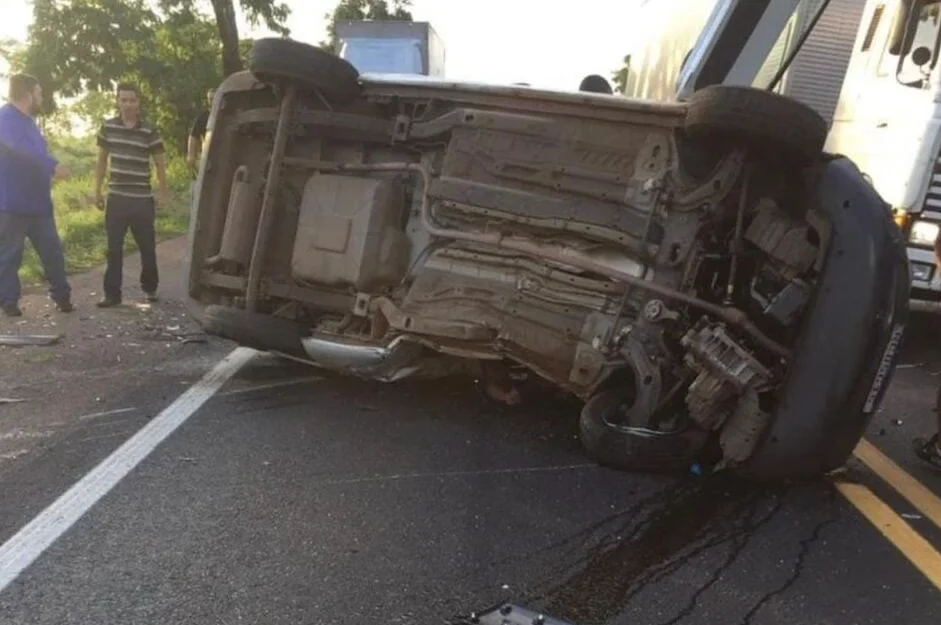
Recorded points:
255,330
625,449
765,122
277,61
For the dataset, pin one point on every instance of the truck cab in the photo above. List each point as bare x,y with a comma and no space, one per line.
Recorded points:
391,47
888,120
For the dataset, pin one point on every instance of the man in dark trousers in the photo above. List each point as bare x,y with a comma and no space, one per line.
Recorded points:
194,143
929,449
131,144
26,173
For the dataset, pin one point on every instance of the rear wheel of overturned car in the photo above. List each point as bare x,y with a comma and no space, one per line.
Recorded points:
765,123
255,330
280,61
612,441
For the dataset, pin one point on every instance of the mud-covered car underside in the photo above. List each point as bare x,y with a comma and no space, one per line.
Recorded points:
708,282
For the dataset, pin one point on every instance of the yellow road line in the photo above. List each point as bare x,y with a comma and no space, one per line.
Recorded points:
914,491
916,549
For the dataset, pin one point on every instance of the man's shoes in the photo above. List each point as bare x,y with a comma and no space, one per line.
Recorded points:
150,297
928,452
64,306
11,310
109,302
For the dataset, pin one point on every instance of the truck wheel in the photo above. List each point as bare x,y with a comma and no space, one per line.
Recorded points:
766,122
275,60
625,448
255,330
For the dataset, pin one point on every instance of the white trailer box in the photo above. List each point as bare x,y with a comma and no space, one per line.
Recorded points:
670,29
391,47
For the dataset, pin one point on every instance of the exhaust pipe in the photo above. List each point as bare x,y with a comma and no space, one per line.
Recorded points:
383,362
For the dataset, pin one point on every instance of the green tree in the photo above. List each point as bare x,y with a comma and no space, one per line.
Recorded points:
364,10
172,49
272,13
620,76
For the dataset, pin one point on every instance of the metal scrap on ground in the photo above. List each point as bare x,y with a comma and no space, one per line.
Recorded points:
29,340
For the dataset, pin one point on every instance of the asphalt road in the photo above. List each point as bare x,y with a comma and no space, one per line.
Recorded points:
289,500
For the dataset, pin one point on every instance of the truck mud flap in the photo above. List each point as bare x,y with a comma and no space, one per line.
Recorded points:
848,349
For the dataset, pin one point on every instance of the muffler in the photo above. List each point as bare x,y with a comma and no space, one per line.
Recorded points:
388,363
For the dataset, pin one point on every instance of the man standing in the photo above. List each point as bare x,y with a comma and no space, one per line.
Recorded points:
929,450
26,173
130,143
194,144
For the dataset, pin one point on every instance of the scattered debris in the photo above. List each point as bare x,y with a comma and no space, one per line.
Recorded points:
897,421
29,340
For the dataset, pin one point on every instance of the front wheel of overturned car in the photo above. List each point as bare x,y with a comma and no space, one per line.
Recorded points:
611,442
277,61
765,123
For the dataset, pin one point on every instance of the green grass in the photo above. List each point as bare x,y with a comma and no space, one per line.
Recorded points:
80,223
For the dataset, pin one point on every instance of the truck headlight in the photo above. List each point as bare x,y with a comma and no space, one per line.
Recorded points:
923,233
921,271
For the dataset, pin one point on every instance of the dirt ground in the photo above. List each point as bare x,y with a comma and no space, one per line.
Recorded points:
46,388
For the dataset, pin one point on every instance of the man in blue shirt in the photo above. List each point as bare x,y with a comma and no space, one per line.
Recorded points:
26,173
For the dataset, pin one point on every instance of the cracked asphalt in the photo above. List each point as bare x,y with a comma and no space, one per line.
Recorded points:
290,500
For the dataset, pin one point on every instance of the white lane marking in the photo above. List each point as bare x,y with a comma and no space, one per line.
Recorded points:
442,474
33,539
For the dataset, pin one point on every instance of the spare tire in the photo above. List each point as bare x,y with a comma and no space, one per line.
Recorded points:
767,123
275,60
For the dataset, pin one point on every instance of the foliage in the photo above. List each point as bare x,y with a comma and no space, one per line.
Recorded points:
170,48
364,10
274,14
620,76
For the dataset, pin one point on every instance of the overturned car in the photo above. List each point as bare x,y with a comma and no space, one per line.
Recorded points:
709,283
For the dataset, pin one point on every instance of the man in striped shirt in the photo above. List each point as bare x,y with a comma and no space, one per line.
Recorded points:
130,144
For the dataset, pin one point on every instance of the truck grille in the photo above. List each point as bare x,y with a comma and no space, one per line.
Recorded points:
933,196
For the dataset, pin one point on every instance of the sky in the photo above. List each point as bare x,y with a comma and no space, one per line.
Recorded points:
495,41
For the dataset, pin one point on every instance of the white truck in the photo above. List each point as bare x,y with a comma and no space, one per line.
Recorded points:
671,29
391,47
888,121
868,67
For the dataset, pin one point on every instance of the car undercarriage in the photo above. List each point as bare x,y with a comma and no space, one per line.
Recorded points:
668,264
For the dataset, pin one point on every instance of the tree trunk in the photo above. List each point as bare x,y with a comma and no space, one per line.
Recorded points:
229,34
